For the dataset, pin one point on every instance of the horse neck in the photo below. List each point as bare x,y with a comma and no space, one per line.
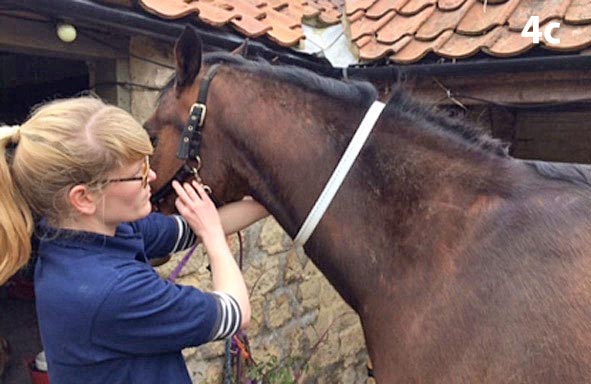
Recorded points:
285,148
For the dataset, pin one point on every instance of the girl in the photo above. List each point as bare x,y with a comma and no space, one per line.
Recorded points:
82,169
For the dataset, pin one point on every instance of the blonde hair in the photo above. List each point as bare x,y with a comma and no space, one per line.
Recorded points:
63,143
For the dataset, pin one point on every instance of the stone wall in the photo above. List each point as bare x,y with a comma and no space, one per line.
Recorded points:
296,312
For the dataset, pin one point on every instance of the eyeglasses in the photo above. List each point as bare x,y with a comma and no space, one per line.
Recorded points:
143,178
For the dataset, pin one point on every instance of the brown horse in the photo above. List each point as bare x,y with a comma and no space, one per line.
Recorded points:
465,265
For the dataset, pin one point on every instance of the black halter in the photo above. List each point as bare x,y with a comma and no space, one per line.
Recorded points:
190,143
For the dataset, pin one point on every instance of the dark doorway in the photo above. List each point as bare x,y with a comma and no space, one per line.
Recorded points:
27,80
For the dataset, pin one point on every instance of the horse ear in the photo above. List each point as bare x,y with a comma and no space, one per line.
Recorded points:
187,52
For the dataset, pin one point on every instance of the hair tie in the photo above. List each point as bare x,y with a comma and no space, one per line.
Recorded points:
13,132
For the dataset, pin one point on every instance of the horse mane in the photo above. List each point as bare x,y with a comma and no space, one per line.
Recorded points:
578,174
352,91
402,104
363,93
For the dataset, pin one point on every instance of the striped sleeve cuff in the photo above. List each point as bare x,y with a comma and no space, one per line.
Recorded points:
230,316
186,238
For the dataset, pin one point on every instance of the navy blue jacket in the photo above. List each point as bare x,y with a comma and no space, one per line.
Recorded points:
105,316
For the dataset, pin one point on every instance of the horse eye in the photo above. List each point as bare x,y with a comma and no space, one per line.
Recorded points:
154,141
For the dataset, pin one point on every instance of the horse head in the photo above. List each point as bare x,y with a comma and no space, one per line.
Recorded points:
171,116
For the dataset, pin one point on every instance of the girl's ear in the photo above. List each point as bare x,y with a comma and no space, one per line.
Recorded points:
82,200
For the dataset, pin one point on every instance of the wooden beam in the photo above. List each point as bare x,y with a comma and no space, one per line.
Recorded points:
505,88
39,38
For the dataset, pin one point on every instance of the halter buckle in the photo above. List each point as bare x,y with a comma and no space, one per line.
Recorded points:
201,114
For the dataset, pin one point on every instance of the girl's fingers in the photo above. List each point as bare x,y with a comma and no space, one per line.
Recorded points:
191,192
200,190
180,191
186,193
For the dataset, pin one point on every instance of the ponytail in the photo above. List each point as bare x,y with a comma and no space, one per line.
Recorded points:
16,221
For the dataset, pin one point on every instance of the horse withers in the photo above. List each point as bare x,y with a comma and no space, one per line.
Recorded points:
465,265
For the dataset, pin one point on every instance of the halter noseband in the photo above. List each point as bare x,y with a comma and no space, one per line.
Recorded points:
190,143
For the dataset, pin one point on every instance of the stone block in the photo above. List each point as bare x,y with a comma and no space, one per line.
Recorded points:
310,271
352,341
272,239
328,296
308,294
278,311
257,318
261,281
294,271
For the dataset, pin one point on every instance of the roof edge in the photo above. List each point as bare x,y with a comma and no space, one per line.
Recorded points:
131,22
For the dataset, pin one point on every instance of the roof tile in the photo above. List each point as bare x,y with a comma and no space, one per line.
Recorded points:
546,9
242,7
402,30
415,6
417,49
356,16
571,37
479,18
508,43
280,20
461,46
171,9
355,5
461,28
330,16
579,12
250,26
380,7
280,32
441,21
403,25
372,50
367,26
449,5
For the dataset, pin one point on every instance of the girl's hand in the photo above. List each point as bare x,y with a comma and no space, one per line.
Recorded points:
196,207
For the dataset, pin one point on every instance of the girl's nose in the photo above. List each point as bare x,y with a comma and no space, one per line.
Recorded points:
152,175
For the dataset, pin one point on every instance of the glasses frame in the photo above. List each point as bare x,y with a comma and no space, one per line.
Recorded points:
143,178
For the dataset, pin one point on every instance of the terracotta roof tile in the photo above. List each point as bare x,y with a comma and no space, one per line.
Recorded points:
356,16
579,12
280,20
450,5
461,46
508,44
479,19
355,5
368,26
174,9
373,50
402,30
403,25
572,37
441,21
546,10
414,6
250,26
461,28
417,49
381,7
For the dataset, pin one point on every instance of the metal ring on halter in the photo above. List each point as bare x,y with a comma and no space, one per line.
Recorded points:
198,160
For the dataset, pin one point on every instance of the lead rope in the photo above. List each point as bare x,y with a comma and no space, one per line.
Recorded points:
237,348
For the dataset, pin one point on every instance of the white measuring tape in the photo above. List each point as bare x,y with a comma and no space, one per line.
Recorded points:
340,172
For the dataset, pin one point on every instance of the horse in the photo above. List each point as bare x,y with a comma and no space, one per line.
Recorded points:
465,265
